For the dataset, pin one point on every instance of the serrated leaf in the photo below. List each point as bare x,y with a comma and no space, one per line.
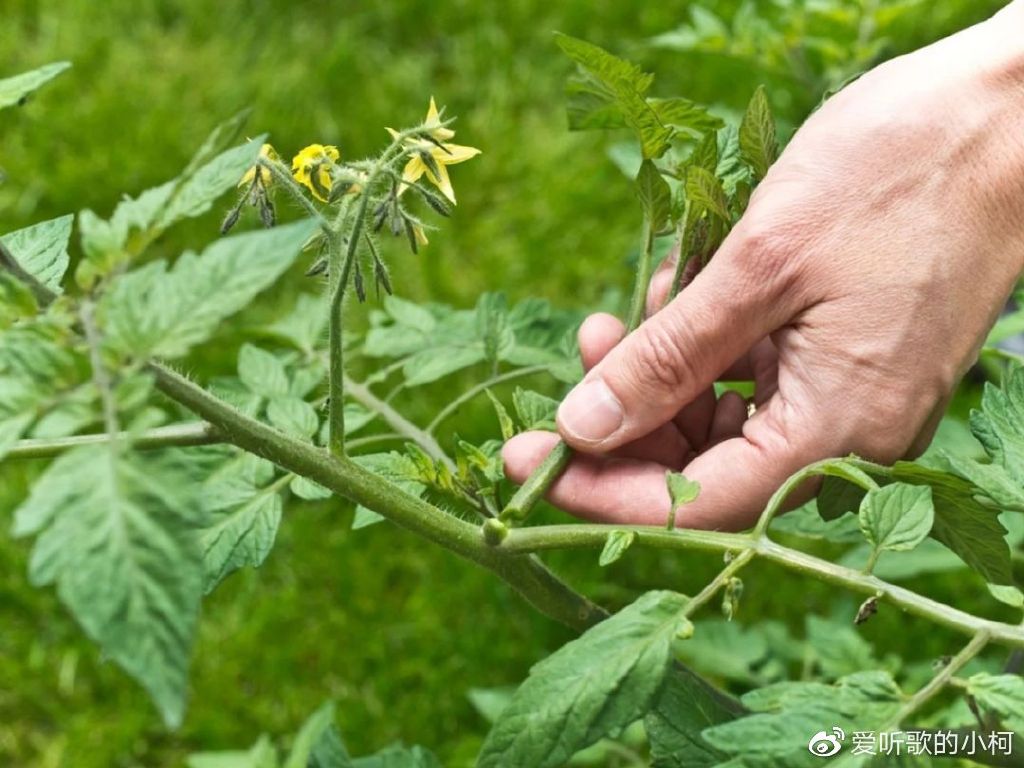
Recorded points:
970,529
135,222
1001,694
164,312
688,115
897,516
117,534
397,467
596,684
14,89
612,86
505,423
655,195
293,416
534,410
680,713
615,546
705,190
785,715
244,508
262,372
758,145
42,250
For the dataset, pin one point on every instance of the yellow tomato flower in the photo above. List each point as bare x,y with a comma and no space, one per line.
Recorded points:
444,155
312,168
267,152
420,235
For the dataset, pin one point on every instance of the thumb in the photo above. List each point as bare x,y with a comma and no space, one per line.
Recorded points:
739,299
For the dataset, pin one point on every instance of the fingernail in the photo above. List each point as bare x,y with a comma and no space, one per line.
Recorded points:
591,412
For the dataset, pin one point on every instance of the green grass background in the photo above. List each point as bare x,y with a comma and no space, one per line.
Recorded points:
391,628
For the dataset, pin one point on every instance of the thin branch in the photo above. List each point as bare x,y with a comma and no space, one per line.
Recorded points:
472,392
362,442
198,433
362,394
941,679
541,538
280,173
730,570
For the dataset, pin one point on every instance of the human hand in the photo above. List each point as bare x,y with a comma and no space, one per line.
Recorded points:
855,292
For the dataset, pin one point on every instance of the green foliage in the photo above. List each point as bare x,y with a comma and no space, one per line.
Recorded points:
50,390
758,146
594,685
42,250
116,534
1002,695
14,90
897,516
615,546
156,310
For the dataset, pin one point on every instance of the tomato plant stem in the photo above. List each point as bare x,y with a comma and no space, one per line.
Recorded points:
196,433
542,538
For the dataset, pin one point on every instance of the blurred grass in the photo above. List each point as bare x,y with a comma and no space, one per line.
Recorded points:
393,629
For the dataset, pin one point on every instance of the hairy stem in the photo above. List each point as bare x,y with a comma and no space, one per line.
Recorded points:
197,433
644,267
527,575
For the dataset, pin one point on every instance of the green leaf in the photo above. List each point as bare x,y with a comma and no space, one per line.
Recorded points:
42,250
705,190
681,491
306,489
612,89
897,516
758,145
136,222
505,423
319,729
399,757
262,372
688,115
14,89
243,504
785,715
1002,695
293,416
304,325
969,528
117,536
837,648
596,684
156,311
682,710
615,546
261,755
534,410
655,195
396,467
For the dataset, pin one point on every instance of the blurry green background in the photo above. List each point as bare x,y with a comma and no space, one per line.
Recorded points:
394,630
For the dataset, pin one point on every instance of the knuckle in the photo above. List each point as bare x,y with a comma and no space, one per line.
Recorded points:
764,256
664,361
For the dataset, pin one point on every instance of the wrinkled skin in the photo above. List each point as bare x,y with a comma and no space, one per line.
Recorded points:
855,292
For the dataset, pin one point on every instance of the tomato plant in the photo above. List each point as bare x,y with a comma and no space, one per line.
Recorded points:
161,486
